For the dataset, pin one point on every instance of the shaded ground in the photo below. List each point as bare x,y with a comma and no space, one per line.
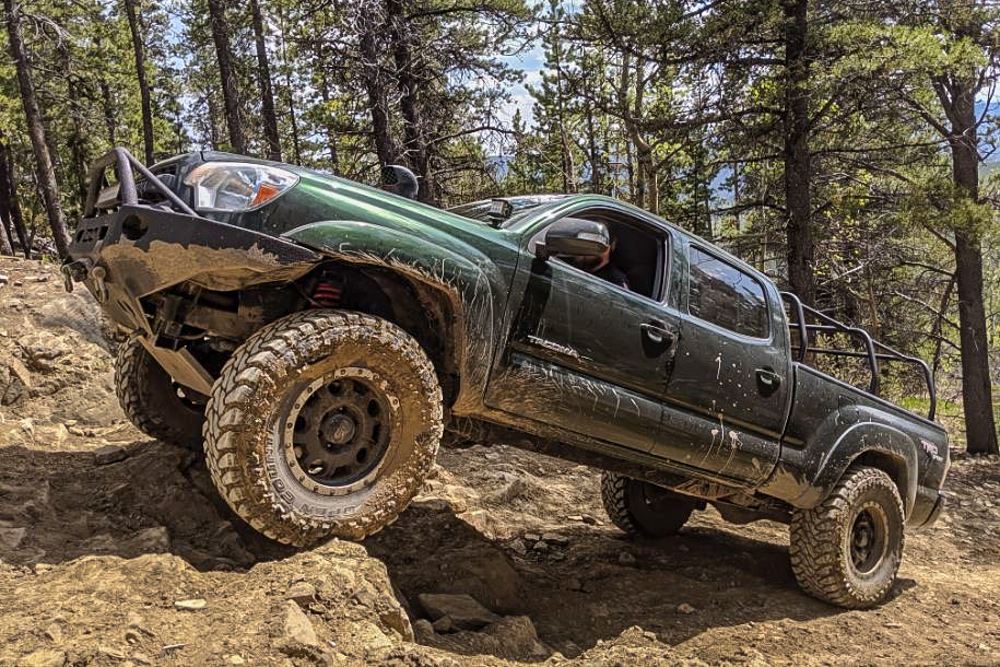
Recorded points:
94,558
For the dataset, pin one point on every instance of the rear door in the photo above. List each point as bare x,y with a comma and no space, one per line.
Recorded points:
728,394
584,354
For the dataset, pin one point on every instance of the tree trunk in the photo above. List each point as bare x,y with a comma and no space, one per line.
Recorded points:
331,130
296,149
296,146
140,71
77,142
109,114
936,329
635,189
8,191
797,156
107,105
568,166
6,203
266,89
408,82
6,227
213,129
6,236
385,147
595,163
46,171
230,88
977,390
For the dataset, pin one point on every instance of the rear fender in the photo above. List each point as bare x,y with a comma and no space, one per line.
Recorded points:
880,445
463,275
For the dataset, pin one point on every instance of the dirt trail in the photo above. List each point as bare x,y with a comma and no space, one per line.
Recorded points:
136,561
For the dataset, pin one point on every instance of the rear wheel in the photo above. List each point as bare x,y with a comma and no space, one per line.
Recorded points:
847,550
642,509
323,424
153,402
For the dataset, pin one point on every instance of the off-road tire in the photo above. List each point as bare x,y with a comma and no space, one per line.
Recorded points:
624,501
149,399
245,446
821,538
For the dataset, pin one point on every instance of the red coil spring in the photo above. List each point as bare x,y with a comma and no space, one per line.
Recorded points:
326,295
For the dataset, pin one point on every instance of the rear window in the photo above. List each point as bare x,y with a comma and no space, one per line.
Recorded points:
726,296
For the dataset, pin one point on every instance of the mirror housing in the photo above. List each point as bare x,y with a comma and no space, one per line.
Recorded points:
399,180
574,237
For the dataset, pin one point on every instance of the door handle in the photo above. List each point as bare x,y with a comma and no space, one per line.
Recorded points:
768,380
657,332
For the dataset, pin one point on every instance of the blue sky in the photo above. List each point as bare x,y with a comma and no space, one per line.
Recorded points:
531,62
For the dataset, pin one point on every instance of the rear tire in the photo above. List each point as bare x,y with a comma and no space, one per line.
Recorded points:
847,550
323,424
151,401
642,509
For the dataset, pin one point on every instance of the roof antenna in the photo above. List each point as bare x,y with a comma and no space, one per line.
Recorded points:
399,180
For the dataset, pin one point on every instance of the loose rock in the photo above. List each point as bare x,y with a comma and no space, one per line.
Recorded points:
54,633
44,659
298,630
302,593
443,625
107,454
191,605
466,613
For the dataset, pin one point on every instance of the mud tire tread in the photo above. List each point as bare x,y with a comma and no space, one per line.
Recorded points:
616,499
283,346
135,390
816,546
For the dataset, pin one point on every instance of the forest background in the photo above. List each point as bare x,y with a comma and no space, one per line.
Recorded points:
844,147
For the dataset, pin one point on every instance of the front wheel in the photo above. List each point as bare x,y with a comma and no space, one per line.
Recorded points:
324,423
642,509
847,550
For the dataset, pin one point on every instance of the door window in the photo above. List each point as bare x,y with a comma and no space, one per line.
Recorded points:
638,253
724,295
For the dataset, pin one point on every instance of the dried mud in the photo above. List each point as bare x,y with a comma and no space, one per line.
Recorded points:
139,562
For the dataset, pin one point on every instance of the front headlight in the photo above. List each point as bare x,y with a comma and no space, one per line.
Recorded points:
236,186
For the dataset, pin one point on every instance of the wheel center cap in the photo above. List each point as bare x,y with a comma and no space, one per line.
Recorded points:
339,429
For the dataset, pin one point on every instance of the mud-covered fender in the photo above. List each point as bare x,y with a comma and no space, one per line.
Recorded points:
473,284
887,445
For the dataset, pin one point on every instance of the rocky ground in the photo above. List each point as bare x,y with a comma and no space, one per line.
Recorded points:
115,550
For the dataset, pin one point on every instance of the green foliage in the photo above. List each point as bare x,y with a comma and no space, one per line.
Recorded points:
680,107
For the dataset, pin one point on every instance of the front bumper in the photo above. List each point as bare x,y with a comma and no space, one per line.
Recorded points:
139,250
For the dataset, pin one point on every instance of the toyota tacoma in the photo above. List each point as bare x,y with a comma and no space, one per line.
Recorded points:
319,338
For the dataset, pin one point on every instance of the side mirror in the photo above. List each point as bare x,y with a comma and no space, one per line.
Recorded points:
399,180
575,237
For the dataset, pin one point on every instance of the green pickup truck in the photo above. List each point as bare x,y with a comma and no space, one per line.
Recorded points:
319,339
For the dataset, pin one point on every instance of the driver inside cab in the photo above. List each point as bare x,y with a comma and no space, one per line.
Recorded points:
602,266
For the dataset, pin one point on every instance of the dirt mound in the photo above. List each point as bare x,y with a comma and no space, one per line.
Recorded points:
115,549
332,604
55,370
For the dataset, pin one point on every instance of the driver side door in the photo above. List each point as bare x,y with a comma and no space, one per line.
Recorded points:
584,354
